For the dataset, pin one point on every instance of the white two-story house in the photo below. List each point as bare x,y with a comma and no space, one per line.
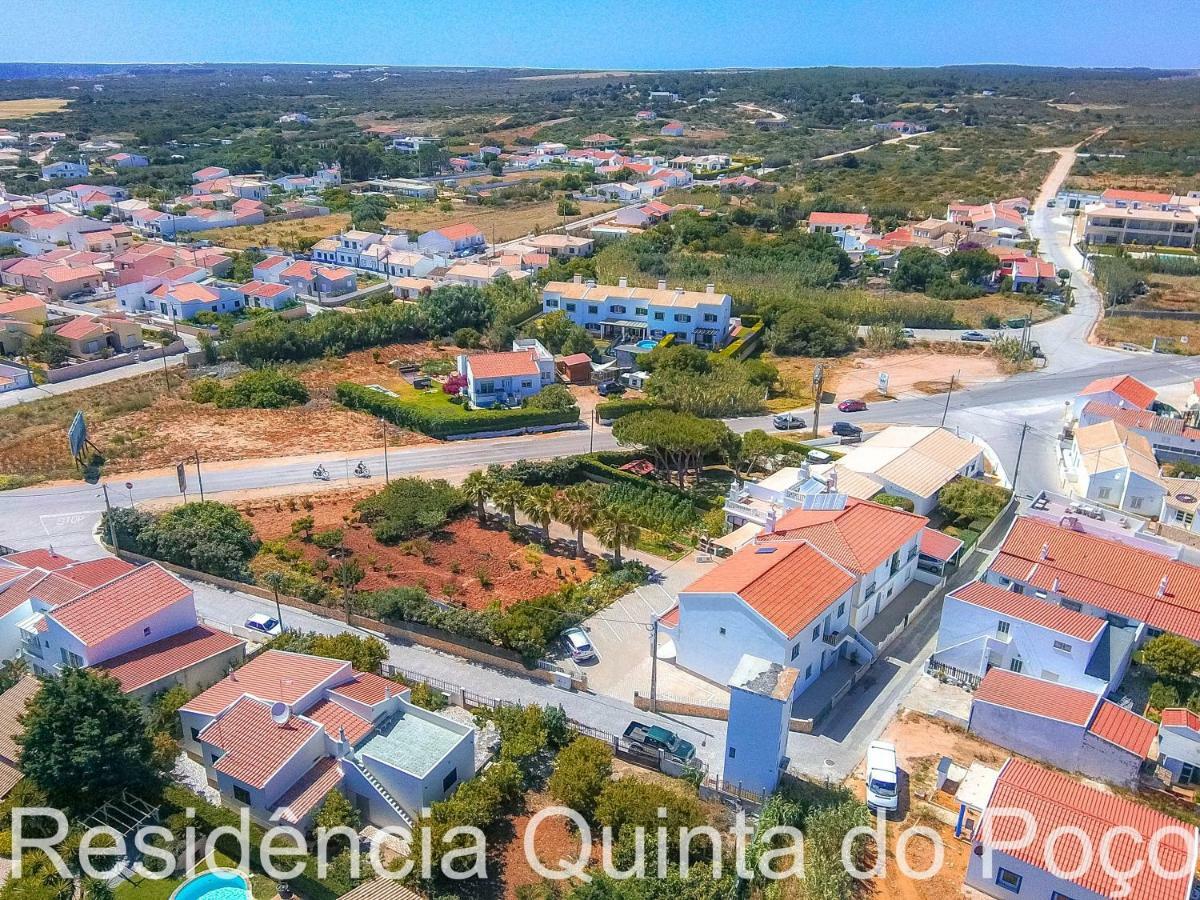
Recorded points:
622,313
506,379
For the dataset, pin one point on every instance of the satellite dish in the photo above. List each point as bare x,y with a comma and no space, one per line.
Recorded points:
280,712
1186,498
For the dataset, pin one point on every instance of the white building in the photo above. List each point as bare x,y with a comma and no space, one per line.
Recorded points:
64,169
625,313
985,626
282,731
760,710
1170,439
1122,391
1179,746
1115,466
507,379
453,239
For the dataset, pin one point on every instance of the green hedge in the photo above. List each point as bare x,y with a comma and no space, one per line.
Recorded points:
440,424
601,465
750,335
611,410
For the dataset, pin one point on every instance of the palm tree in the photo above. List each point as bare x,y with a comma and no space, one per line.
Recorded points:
538,504
576,507
614,529
477,487
506,493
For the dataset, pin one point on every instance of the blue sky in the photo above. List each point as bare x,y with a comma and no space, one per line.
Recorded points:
651,34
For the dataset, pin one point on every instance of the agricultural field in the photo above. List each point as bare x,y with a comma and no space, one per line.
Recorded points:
500,223
34,106
293,234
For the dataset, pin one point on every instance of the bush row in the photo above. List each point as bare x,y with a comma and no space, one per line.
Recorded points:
611,410
440,424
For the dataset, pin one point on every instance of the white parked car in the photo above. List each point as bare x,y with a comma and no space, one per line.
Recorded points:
579,644
883,777
265,625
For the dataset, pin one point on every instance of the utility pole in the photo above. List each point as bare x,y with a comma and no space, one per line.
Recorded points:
199,477
946,409
818,382
385,451
1020,447
112,525
166,374
592,431
654,664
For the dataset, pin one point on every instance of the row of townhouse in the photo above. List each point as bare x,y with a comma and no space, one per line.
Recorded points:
1143,217
397,255
623,313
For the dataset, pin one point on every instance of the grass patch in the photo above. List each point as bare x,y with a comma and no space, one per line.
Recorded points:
161,889
1142,331
34,106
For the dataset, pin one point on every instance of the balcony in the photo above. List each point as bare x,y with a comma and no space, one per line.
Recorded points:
832,638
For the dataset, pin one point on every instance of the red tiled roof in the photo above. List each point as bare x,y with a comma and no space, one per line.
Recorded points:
1141,420
41,558
671,617
499,365
51,587
1135,196
859,220
575,359
264,289
191,291
938,544
1106,573
94,572
367,687
156,661
1030,609
67,274
461,230
1054,800
334,717
122,602
1126,386
1181,718
334,273
859,536
1047,699
19,303
78,328
1124,728
303,796
272,675
301,269
789,584
256,747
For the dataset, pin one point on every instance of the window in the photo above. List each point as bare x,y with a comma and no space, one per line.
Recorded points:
450,780
808,672
841,609
1135,502
682,317
592,310
1062,647
640,310
617,309
816,632
1002,627
1104,493
710,317
195,734
526,384
1016,665
1009,880
722,631
145,632
1184,518
552,304
1057,896
570,307
240,794
795,651
732,752
658,317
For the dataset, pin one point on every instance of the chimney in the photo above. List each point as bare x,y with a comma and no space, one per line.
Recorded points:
710,288
1045,551
1162,588
578,279
662,284
622,281
769,525
1054,586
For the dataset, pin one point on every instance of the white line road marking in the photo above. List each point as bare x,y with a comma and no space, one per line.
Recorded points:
58,523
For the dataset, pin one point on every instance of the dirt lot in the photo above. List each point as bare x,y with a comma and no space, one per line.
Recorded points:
1142,331
1004,306
457,556
504,136
915,372
503,223
287,234
34,106
375,366
1174,292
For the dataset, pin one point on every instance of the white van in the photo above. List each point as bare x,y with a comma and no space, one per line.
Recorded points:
883,778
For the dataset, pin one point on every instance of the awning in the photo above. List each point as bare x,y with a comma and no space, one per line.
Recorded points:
712,332
739,537
939,545
623,323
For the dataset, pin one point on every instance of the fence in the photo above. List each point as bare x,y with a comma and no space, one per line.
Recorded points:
92,366
883,645
680,707
961,676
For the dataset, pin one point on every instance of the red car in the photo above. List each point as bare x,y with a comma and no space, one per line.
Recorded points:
851,406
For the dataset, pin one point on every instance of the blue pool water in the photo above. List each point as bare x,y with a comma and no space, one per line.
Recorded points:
224,884
647,345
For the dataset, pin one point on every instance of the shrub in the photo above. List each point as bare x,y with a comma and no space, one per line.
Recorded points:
894,501
582,771
410,506
610,410
264,389
966,499
1163,696
1171,656
209,537
552,397
441,423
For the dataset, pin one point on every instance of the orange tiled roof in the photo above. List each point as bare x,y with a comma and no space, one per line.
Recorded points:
124,601
78,328
1055,800
1181,718
256,747
860,536
156,661
272,675
1126,386
334,717
368,688
51,587
500,365
95,572
938,544
788,584
1030,609
303,796
1047,699
40,557
461,230
1124,728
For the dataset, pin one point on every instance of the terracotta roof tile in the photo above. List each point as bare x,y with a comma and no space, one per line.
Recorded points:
176,653
308,792
78,328
501,365
94,572
256,747
124,601
1125,386
1181,718
459,231
1055,800
1047,699
1140,419
789,584
272,675
938,544
1029,609
860,536
1124,728
51,587
39,557
368,688
334,717
12,707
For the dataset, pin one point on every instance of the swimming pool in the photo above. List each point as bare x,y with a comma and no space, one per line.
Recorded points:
647,345
220,884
